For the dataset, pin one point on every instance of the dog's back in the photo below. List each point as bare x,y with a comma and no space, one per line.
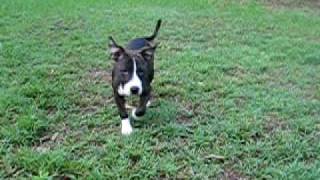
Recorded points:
139,43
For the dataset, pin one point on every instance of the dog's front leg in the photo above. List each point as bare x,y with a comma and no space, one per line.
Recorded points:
141,109
126,127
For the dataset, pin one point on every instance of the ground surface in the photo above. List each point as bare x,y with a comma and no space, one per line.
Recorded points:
236,90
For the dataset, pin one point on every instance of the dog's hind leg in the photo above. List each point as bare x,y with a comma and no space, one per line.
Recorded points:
141,109
149,103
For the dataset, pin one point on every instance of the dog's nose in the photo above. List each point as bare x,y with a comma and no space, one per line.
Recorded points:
134,90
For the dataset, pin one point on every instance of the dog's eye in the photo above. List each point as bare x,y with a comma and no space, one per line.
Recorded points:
140,73
124,72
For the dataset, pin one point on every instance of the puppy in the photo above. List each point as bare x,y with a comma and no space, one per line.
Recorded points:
132,74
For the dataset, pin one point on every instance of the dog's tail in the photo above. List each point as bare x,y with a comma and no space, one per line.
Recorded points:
155,32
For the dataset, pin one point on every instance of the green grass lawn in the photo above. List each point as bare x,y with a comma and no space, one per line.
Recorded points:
236,90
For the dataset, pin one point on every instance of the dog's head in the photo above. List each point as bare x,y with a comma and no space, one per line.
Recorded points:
133,69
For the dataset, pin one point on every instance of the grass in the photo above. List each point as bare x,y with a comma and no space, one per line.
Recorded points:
237,90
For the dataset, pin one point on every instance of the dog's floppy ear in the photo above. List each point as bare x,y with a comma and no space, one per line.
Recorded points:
115,50
148,52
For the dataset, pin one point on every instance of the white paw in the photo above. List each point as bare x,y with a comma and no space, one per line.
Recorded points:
149,103
126,128
133,114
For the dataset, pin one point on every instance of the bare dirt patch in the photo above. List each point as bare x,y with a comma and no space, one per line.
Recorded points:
53,140
100,75
90,104
184,119
278,79
229,174
67,25
90,97
273,123
312,4
236,71
186,113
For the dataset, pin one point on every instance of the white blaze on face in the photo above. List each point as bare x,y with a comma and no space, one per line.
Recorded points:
135,81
